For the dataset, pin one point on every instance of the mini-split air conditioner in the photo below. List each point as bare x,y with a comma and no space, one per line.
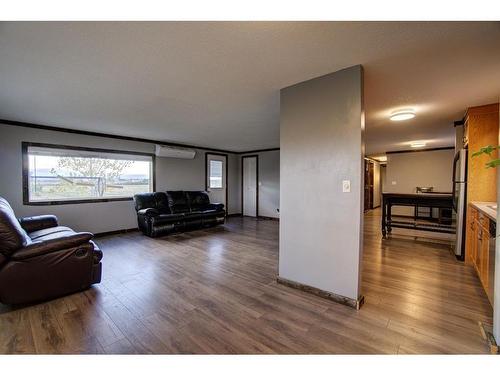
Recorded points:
174,152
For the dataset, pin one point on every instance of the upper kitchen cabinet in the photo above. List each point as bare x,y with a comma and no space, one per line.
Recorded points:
481,129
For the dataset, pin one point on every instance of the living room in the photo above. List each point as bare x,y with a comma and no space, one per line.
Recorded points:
197,187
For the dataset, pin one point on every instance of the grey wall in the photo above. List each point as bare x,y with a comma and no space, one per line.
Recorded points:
234,184
321,131
383,177
424,168
269,183
106,216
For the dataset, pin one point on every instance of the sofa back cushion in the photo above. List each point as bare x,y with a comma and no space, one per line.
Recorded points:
198,200
12,235
144,200
161,201
158,200
178,201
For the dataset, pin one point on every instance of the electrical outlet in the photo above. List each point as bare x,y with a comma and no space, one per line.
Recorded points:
346,186
393,183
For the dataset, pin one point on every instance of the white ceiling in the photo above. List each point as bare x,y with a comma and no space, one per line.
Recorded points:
216,84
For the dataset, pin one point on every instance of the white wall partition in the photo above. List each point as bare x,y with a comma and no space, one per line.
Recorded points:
321,151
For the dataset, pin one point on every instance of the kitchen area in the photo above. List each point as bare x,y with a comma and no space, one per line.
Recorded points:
475,202
451,192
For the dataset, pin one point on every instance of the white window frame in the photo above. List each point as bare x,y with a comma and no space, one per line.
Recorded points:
210,175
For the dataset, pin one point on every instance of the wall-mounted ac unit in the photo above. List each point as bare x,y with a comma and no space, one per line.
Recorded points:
175,152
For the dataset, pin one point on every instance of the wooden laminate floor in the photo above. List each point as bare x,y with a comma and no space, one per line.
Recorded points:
214,291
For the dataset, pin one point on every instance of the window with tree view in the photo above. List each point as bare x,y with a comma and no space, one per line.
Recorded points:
66,174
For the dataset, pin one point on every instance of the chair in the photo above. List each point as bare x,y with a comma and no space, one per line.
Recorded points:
40,260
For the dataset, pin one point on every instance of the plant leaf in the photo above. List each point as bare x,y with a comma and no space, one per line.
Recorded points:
488,150
494,163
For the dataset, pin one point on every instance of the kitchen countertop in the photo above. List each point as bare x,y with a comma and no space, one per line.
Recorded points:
485,208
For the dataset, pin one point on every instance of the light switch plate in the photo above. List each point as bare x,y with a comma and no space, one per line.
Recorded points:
346,186
393,183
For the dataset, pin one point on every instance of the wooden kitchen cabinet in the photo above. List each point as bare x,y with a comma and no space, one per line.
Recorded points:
471,235
481,247
481,128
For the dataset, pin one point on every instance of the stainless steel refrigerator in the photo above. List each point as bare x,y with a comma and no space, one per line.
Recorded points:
460,200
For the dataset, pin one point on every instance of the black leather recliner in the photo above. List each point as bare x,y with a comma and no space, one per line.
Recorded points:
175,211
40,260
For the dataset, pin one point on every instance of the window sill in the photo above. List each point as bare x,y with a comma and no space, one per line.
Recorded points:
75,201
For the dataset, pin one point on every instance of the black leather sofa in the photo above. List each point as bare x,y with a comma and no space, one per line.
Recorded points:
176,211
40,260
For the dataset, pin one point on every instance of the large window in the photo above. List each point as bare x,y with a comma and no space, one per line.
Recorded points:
60,174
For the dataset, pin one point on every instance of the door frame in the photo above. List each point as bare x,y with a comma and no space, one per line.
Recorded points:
256,156
227,176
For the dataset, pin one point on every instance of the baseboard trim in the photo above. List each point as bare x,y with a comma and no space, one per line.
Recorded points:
119,231
355,304
258,217
488,337
269,218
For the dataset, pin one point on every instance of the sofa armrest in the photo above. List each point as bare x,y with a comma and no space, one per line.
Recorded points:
148,212
216,206
44,247
33,223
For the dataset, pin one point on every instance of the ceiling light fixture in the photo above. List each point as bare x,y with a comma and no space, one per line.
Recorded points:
418,144
402,115
382,158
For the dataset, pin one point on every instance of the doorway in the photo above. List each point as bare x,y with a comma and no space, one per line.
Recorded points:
216,177
368,195
250,185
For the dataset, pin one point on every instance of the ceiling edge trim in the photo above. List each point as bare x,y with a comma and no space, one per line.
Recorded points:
124,137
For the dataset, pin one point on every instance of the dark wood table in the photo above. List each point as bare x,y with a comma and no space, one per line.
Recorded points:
440,200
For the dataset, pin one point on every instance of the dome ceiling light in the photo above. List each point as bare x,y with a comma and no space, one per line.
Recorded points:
418,144
402,115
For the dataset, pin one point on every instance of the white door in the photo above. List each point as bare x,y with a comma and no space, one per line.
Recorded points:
216,178
250,186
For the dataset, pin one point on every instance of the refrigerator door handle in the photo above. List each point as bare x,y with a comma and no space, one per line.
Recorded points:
455,162
454,196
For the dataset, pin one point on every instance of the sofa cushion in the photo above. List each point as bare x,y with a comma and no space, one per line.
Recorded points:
198,200
216,206
12,235
178,201
145,200
32,223
162,205
212,213
50,233
158,201
193,216
58,241
148,212
167,218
